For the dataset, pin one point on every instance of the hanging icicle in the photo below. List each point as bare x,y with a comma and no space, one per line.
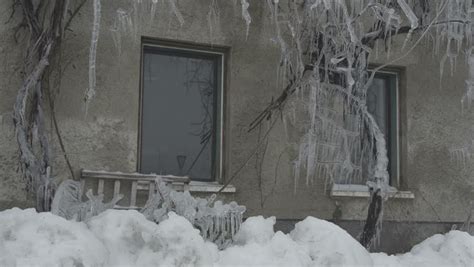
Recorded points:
90,92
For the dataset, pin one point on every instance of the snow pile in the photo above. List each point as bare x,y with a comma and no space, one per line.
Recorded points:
42,239
313,242
118,237
328,244
455,248
133,240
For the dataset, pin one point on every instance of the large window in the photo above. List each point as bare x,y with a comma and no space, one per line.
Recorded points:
181,112
382,103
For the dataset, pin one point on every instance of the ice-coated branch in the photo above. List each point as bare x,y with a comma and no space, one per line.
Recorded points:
28,114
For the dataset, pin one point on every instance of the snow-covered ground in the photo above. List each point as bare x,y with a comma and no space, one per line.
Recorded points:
113,238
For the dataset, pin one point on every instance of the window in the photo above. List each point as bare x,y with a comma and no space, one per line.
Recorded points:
382,103
181,112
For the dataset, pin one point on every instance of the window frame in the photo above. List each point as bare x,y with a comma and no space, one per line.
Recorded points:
398,187
194,49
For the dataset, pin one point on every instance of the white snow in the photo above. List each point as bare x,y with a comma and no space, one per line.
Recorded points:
127,238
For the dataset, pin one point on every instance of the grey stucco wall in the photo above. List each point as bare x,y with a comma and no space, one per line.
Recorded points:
107,138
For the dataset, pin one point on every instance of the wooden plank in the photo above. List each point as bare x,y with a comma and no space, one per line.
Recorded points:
116,188
100,187
133,194
132,176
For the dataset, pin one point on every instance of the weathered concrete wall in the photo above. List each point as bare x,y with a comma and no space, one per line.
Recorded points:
107,138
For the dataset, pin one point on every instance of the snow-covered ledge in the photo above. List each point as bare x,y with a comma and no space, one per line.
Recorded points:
354,190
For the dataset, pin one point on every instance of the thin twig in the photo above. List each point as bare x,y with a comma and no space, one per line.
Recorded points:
257,147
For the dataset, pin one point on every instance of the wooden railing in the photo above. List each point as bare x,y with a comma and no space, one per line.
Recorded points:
139,182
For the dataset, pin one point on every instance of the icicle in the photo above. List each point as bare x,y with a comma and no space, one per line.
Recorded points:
409,13
212,18
176,11
246,16
154,3
411,17
90,93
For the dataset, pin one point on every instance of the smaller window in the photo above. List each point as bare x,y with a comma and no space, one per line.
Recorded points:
382,103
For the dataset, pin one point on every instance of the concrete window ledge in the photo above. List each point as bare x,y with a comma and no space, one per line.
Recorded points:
209,187
362,191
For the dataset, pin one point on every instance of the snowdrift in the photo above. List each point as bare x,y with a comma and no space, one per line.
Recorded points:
115,237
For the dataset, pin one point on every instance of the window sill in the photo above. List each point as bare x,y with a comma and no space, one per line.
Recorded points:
203,187
362,191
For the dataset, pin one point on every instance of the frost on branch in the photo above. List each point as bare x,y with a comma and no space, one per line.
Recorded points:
217,222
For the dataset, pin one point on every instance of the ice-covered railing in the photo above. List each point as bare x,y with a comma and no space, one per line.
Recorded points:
217,222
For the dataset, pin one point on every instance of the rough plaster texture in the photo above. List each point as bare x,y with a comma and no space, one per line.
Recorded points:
107,137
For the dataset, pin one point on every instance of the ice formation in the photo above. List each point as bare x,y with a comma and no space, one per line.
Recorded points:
217,222
469,95
324,60
127,238
68,203
246,16
90,92
213,18
330,92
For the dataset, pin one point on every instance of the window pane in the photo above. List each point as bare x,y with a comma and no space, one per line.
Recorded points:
179,92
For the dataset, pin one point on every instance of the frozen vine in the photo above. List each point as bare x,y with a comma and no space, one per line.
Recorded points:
45,23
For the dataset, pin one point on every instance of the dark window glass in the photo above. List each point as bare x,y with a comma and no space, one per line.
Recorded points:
179,112
382,104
